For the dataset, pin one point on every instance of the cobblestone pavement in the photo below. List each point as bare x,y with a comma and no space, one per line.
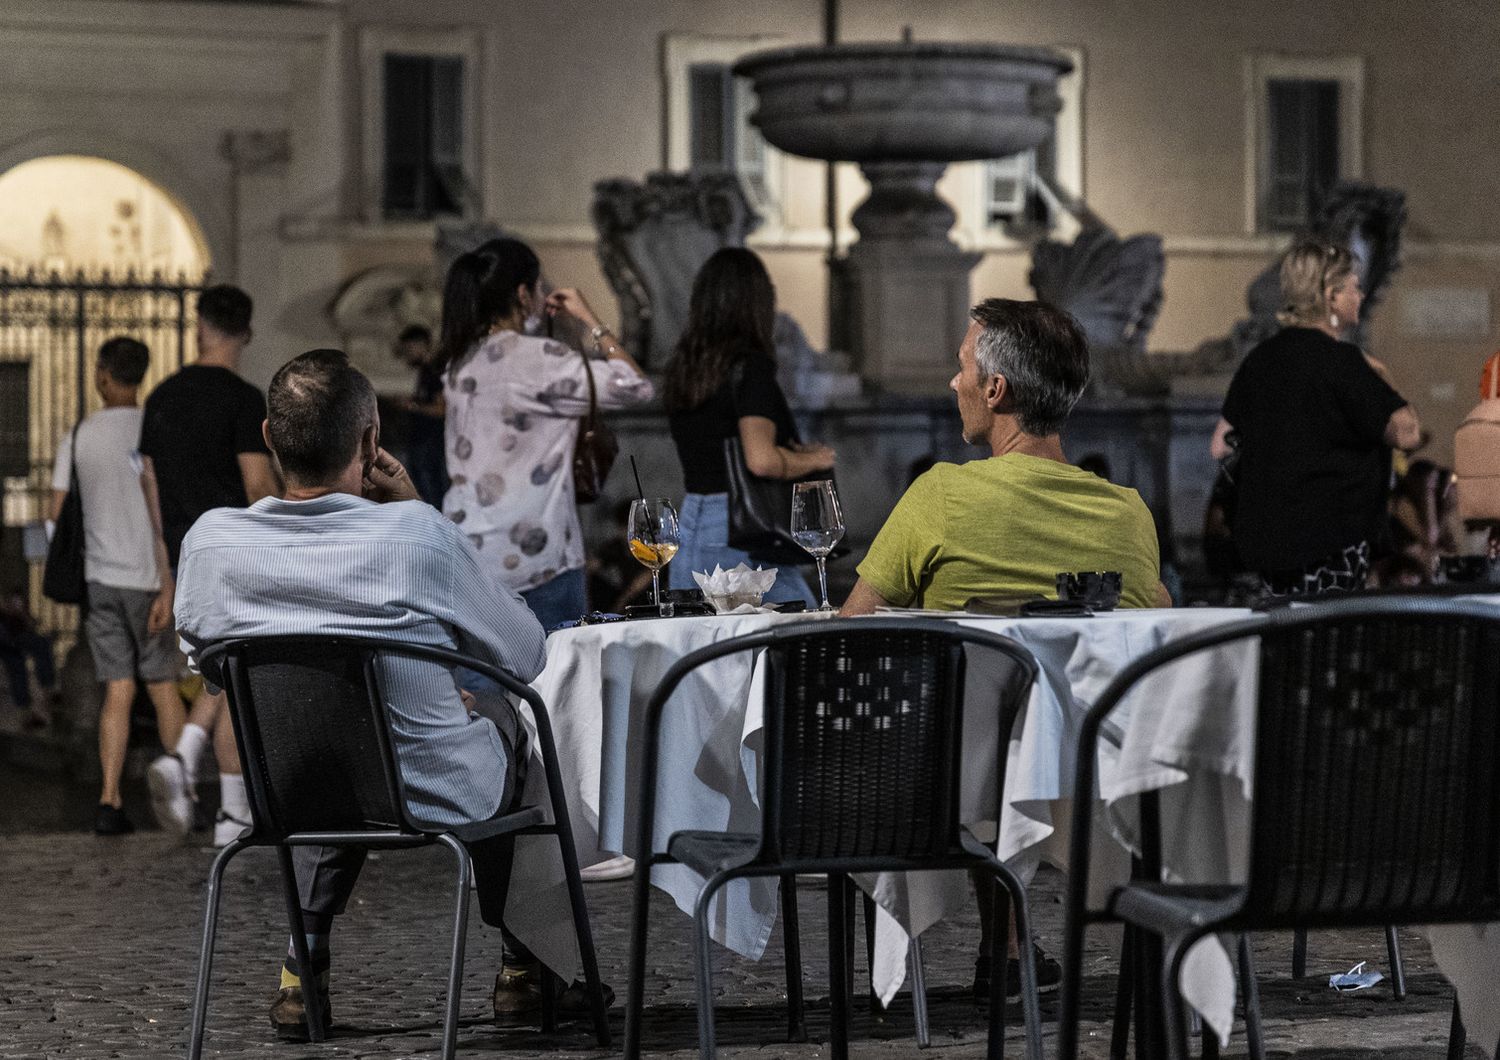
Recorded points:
98,939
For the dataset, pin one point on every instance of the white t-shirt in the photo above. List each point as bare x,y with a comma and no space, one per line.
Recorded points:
118,547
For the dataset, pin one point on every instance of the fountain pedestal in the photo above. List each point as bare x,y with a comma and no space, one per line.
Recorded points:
903,112
906,284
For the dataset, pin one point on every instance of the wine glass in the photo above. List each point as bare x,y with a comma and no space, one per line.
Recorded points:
653,541
817,525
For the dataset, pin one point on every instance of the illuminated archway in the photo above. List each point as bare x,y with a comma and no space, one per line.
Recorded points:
68,212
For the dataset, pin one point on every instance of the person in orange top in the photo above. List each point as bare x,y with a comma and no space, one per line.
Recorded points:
1476,461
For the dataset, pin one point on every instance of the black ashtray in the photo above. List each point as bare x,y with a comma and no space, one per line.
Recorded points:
1099,589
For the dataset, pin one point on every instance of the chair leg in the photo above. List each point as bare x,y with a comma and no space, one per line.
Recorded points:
1457,1036
919,993
635,995
549,986
206,950
791,938
703,952
1031,1008
1254,1037
1119,1043
1174,1010
1072,984
1299,953
999,944
460,936
838,967
1398,968
312,999
1210,1041
584,932
849,892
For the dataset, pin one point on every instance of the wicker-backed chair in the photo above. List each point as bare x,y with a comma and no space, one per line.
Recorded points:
1376,793
320,770
863,747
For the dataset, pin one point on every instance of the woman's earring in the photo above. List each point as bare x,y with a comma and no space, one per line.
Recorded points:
1333,319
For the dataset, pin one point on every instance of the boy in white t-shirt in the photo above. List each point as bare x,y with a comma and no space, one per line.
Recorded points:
130,586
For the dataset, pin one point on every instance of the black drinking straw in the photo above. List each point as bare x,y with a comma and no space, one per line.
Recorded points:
641,492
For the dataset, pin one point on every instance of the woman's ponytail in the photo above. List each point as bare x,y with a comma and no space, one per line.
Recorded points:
479,290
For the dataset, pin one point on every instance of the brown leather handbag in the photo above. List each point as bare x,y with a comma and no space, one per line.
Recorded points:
595,450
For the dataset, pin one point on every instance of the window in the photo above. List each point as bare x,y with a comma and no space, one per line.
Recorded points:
1304,119
420,122
708,116
423,171
1021,192
720,135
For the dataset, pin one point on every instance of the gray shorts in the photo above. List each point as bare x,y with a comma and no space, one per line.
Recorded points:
119,642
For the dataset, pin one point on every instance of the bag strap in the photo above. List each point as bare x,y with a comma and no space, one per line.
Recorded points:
588,373
73,483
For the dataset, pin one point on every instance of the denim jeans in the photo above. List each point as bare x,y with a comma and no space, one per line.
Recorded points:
703,524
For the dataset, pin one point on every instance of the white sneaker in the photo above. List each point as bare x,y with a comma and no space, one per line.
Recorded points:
170,802
620,867
227,829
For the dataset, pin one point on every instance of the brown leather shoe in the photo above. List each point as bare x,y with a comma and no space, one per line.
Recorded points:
518,996
289,1017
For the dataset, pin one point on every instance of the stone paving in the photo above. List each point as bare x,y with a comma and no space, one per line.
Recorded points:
98,938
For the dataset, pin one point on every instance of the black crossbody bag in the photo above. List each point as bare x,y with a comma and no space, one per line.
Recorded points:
62,577
760,509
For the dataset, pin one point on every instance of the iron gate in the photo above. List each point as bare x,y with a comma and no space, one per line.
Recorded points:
51,327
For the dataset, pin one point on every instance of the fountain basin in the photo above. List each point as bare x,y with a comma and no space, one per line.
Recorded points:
906,102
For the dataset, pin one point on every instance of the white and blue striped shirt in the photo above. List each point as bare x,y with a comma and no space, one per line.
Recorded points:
340,564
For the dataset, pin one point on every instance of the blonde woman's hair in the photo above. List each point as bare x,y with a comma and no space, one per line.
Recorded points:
1309,269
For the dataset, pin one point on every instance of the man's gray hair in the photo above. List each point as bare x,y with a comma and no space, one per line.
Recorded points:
1043,355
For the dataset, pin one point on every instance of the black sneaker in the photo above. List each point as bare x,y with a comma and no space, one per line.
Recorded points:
1048,975
111,820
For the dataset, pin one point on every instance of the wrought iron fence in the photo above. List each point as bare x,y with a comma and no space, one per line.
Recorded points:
51,327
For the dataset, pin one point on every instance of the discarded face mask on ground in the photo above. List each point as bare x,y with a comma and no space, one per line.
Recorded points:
1355,978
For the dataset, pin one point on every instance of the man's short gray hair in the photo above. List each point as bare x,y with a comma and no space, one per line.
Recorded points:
1041,352
318,408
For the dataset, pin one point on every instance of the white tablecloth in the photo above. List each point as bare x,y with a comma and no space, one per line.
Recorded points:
596,684
1188,733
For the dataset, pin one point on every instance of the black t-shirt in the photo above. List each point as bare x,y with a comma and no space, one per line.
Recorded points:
195,426
1314,469
699,433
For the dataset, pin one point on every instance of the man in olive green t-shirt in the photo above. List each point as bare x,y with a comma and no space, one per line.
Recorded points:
1005,526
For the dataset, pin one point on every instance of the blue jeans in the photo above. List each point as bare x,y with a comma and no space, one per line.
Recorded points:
703,523
553,602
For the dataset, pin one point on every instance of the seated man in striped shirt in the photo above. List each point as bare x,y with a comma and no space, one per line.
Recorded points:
350,549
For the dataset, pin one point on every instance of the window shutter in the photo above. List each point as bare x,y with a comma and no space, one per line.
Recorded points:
1302,152
711,114
406,116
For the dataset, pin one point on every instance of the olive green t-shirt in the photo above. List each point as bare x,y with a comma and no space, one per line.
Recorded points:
1004,527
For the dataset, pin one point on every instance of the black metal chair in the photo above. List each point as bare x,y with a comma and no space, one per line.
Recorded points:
1376,786
320,770
860,773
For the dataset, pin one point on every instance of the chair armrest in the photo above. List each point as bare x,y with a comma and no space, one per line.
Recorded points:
526,817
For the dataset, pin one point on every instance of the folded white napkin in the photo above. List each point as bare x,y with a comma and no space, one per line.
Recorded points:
735,590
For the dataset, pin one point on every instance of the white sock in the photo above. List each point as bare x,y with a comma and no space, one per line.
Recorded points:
190,747
232,798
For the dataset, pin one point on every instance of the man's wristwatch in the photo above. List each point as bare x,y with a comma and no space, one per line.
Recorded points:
597,332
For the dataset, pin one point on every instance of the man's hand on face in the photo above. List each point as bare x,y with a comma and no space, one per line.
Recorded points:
386,480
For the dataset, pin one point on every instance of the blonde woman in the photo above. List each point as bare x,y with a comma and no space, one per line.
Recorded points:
1314,420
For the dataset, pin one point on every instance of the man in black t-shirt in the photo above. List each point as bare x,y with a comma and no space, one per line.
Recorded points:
201,435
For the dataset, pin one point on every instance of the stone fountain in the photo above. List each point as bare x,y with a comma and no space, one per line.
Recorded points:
903,112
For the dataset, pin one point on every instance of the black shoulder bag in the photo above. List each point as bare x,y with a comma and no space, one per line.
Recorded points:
760,509
62,578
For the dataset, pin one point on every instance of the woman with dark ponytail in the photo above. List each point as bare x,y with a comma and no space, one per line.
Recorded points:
514,401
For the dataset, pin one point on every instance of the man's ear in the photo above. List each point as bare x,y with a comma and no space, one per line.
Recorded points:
996,391
369,444
265,433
